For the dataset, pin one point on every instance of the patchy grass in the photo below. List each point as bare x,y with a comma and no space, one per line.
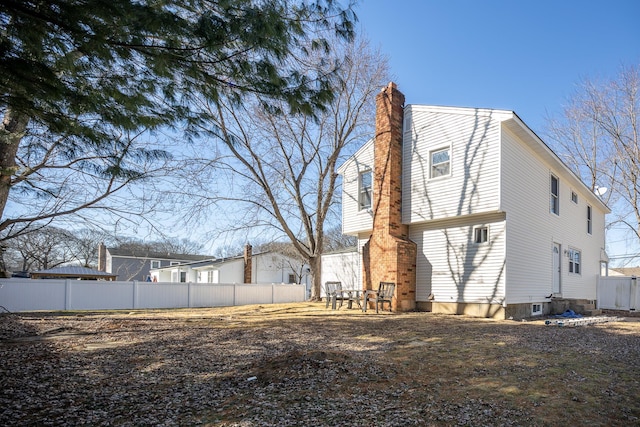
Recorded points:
300,364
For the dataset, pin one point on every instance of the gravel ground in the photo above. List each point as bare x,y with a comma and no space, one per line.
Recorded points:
300,365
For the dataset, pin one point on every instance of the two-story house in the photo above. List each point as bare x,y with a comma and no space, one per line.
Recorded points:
468,211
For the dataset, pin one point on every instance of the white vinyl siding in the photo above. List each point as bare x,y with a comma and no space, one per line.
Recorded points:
531,230
454,269
472,183
354,219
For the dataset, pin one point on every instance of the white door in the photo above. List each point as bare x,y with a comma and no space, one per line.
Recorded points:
556,268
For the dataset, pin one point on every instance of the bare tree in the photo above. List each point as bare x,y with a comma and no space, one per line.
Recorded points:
598,137
334,240
84,245
42,249
58,181
277,171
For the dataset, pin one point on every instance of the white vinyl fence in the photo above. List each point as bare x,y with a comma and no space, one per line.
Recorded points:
618,293
28,294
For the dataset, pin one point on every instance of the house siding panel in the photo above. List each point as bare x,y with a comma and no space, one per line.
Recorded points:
355,220
453,268
473,186
533,229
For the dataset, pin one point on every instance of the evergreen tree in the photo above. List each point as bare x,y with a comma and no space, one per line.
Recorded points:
86,71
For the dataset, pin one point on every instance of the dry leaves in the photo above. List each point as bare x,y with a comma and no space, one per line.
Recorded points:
299,364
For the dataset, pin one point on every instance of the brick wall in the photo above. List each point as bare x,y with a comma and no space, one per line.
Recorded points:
248,256
389,255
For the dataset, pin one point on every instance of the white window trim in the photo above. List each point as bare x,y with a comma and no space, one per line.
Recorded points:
476,229
536,309
553,196
573,193
571,269
431,153
362,208
157,263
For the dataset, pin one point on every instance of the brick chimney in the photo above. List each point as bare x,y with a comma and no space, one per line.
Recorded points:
102,257
247,263
393,254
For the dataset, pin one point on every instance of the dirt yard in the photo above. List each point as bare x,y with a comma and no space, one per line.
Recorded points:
303,365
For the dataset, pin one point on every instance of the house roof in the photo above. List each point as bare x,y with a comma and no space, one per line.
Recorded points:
130,253
72,273
628,271
213,262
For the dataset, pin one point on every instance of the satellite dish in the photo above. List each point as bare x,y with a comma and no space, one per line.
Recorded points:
600,191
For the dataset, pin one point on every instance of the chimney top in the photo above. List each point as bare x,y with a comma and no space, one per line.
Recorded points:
390,85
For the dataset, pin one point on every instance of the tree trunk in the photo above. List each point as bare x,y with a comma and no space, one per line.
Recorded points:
13,128
315,263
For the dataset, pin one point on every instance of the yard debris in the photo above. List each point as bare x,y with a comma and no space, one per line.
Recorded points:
194,367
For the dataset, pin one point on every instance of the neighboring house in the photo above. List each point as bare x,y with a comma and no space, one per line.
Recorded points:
342,266
131,265
624,271
468,211
266,267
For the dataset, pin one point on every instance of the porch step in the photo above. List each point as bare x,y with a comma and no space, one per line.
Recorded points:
588,310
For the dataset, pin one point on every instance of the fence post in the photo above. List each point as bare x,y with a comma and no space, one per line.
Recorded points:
135,294
633,294
67,294
189,294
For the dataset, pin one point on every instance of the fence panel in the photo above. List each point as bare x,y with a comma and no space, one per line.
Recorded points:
618,293
253,294
99,295
207,295
288,293
162,295
28,294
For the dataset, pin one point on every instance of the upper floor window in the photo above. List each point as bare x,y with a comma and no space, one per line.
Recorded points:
364,190
574,197
555,195
481,235
440,163
589,220
574,261
155,264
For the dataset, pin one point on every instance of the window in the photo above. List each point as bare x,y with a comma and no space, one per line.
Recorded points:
589,221
183,276
481,235
555,198
364,184
155,264
536,309
292,278
440,163
574,261
574,197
